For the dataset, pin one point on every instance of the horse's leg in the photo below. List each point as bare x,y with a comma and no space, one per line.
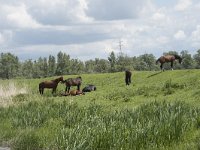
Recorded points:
172,65
161,67
54,90
78,87
126,80
129,79
66,89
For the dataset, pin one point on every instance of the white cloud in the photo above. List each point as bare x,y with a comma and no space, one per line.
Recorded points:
92,28
180,35
183,5
195,37
120,10
1,39
158,16
17,16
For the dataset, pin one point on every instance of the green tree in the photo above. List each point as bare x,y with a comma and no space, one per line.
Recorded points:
89,66
197,59
101,65
77,66
188,62
123,62
63,64
27,69
9,66
148,60
112,60
51,66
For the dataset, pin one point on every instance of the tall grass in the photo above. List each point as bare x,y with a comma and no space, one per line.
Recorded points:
153,125
157,111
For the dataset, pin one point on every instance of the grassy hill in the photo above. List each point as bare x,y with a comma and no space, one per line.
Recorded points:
159,110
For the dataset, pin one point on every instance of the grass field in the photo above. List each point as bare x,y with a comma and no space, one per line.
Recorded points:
159,110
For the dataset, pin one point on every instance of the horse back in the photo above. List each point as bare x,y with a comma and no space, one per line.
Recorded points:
73,82
47,84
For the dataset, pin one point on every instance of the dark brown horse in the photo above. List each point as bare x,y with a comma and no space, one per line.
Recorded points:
168,58
72,82
128,77
50,85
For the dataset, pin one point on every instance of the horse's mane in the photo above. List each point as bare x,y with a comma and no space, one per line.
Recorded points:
157,60
58,79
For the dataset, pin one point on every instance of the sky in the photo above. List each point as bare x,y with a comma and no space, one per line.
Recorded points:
88,29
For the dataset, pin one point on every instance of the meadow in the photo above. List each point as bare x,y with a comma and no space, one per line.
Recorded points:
159,110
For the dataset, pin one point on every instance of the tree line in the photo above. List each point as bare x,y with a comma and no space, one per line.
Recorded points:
12,67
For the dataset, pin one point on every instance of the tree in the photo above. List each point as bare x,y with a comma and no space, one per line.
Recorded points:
51,66
148,61
112,60
197,59
101,65
9,66
188,62
124,62
63,64
27,69
76,66
89,66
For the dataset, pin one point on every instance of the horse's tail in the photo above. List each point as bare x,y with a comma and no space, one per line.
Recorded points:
157,61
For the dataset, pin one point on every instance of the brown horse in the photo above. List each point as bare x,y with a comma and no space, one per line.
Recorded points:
50,85
128,77
168,58
72,82
73,93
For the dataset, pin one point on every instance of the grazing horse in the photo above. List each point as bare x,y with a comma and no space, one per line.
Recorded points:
168,58
72,82
50,85
128,77
89,88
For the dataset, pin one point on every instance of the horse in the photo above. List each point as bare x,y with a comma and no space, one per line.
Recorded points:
73,93
168,58
50,85
89,88
72,82
128,77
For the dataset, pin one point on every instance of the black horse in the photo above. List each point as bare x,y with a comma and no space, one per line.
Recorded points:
50,85
72,82
168,58
89,88
128,77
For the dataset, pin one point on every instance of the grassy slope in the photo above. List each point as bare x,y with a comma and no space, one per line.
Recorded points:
146,87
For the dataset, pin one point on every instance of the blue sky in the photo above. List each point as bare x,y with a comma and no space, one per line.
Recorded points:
86,29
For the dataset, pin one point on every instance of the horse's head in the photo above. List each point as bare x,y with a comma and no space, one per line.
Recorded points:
179,58
61,79
79,77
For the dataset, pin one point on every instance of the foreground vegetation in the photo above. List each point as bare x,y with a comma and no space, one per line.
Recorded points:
157,111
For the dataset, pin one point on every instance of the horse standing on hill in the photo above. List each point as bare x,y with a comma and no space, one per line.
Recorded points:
50,85
168,58
128,77
72,82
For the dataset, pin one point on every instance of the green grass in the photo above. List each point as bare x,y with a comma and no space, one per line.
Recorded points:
159,110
